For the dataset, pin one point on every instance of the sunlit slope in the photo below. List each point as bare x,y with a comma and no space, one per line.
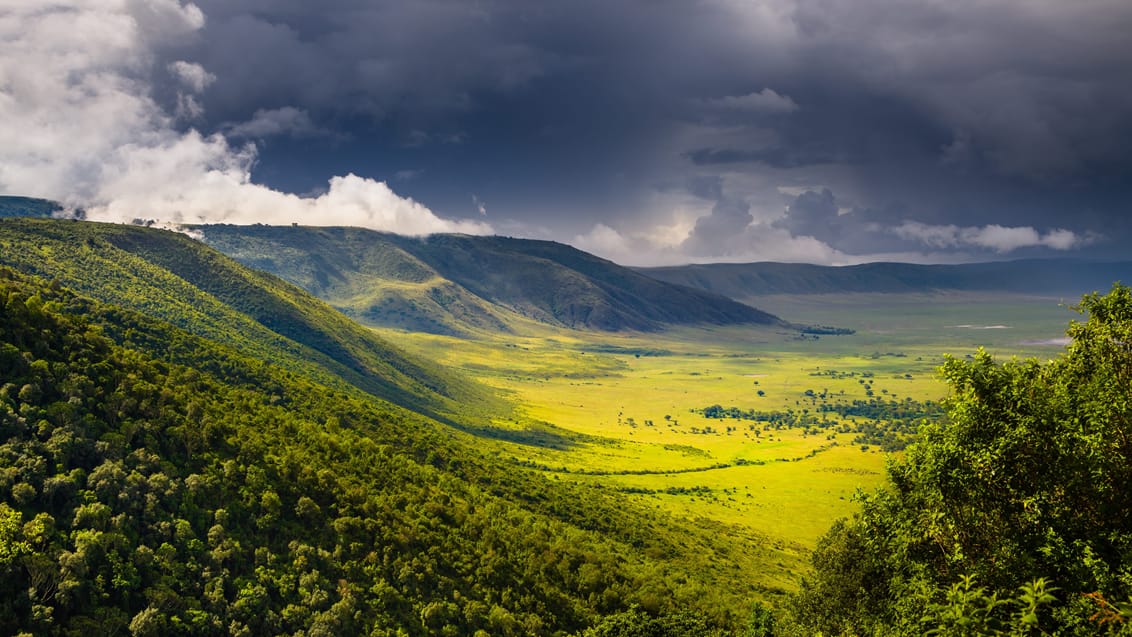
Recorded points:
748,281
450,283
362,273
154,478
178,279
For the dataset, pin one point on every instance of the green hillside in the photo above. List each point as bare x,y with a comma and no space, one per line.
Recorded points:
178,457
188,446
141,493
362,273
449,283
175,278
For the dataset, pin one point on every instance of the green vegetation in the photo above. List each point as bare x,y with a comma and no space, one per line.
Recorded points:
1025,488
172,277
188,446
364,274
625,401
663,453
143,494
826,330
890,424
183,468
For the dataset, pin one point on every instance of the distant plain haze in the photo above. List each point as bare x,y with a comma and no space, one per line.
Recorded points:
650,133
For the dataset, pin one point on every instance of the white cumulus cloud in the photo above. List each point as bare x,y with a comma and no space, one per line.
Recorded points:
192,75
604,241
79,124
991,237
758,242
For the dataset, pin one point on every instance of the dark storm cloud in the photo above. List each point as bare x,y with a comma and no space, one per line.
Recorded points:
537,93
778,157
818,214
1011,113
815,213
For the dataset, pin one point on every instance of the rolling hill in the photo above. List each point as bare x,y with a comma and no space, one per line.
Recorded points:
362,273
452,283
748,281
175,278
27,207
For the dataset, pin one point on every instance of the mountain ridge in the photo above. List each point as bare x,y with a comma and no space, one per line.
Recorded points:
447,283
747,281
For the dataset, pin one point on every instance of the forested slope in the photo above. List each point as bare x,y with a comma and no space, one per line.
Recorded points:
140,492
168,467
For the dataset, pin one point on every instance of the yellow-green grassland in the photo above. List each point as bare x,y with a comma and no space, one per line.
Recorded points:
818,415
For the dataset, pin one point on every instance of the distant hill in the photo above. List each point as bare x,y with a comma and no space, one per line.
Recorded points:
362,273
452,283
746,281
27,207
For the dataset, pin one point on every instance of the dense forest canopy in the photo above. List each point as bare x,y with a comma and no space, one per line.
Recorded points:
1027,480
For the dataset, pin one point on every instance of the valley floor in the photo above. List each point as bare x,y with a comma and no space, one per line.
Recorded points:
817,416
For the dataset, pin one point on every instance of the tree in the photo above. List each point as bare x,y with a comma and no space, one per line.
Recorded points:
637,623
11,542
1025,478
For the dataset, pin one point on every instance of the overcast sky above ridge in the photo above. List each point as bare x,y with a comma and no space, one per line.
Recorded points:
828,131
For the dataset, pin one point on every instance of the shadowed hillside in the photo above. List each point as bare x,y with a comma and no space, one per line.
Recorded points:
746,281
27,207
447,283
558,283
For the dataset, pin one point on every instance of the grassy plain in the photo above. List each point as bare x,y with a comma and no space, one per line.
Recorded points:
619,411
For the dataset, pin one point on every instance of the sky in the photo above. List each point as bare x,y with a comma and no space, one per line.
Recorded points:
649,132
